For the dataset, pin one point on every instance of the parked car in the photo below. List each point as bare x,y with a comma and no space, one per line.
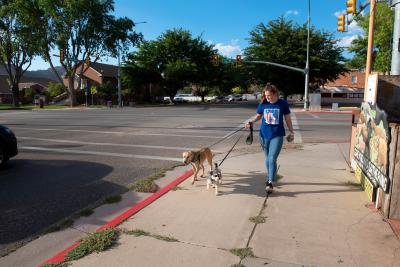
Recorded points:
8,144
233,98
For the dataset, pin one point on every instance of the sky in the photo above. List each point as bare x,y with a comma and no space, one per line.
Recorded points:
225,23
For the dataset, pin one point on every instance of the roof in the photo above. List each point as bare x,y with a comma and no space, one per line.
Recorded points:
105,70
340,89
5,87
29,85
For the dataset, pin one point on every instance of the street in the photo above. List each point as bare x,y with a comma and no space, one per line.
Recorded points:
70,160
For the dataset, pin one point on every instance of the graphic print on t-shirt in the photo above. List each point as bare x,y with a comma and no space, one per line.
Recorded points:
271,116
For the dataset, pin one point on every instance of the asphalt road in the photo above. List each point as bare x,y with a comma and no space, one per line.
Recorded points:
72,159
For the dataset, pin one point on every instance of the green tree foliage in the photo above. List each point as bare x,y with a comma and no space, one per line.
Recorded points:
83,29
282,41
55,89
174,59
18,44
108,89
382,40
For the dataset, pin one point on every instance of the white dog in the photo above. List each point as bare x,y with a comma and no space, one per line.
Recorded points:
215,178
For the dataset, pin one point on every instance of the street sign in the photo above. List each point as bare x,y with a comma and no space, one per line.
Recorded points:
93,90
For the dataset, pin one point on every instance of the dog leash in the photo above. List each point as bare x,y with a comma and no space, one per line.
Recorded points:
230,150
226,137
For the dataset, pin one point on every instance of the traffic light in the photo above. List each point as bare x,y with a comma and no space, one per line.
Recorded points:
351,7
87,60
340,23
238,60
215,60
62,57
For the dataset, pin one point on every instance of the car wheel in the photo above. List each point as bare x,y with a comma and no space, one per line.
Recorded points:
3,156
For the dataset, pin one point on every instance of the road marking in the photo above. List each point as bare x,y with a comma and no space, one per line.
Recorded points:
105,144
86,152
297,134
119,133
314,116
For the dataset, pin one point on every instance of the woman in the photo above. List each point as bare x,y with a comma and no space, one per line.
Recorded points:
272,131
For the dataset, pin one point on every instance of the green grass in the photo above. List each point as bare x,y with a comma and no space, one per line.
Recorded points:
95,242
242,252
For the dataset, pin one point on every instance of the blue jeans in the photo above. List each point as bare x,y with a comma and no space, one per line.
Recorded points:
271,148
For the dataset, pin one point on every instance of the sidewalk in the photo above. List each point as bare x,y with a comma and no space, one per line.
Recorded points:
316,216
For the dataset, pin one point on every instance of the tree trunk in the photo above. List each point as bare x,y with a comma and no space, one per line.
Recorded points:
202,98
15,95
72,92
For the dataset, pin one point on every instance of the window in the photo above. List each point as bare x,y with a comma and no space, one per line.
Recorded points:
354,79
326,95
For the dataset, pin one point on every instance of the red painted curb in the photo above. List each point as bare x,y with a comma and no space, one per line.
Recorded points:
60,257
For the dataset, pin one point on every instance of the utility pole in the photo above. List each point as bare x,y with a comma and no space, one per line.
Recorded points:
119,77
307,69
370,44
395,66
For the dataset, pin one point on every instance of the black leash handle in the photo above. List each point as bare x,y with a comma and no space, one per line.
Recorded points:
249,139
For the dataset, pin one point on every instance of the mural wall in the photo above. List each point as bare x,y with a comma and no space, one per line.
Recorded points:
371,145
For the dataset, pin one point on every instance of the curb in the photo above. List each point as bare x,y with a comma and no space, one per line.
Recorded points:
60,256
323,111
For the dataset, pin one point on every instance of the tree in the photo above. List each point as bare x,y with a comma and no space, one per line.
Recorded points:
83,29
384,19
18,45
176,58
55,89
282,41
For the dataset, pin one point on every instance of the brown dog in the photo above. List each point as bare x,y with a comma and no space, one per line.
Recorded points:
197,158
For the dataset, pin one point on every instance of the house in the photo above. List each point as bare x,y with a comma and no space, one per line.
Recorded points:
96,74
347,90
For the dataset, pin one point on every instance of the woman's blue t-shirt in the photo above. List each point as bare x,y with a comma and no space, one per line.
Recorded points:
272,118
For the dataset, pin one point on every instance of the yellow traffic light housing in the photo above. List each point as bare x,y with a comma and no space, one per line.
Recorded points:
238,60
351,7
87,60
215,60
340,23
62,56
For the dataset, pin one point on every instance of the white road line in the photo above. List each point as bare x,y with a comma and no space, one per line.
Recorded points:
104,144
85,152
297,134
314,116
118,133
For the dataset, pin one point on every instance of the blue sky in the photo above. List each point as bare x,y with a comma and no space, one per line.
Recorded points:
226,24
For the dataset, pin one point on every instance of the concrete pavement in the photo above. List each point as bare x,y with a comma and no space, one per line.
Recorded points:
317,216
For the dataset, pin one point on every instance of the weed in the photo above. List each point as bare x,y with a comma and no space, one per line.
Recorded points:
86,212
165,238
257,219
112,199
238,265
242,252
60,226
61,264
137,232
95,242
145,186
176,187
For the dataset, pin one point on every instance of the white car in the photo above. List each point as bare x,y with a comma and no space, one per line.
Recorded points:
233,98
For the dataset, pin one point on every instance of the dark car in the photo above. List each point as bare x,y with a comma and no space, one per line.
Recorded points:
8,144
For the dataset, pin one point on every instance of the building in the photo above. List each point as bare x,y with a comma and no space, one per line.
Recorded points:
94,75
347,90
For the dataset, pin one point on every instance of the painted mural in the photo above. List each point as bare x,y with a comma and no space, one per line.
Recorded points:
371,144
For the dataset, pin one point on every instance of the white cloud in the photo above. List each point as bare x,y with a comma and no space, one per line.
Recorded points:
346,41
229,50
292,12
